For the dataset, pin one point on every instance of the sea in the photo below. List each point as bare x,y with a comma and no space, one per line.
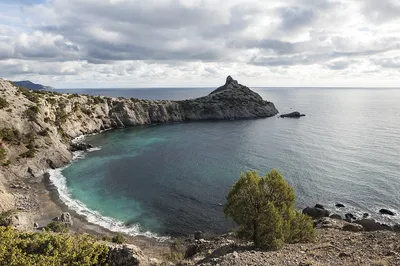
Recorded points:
166,180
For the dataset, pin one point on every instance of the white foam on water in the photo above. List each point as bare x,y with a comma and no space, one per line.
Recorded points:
92,216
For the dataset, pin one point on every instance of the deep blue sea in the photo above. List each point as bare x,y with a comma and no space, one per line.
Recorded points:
173,178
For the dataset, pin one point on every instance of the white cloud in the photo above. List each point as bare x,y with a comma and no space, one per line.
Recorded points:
198,42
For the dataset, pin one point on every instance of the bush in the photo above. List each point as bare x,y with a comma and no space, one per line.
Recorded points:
263,209
9,135
50,249
3,154
3,103
57,227
32,112
5,218
118,238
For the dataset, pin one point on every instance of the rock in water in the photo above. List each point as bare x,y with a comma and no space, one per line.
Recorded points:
339,205
385,211
292,115
316,213
80,146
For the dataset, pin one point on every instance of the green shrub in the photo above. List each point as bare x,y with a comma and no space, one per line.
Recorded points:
51,101
9,135
3,154
263,209
3,103
5,217
34,249
32,112
118,238
57,227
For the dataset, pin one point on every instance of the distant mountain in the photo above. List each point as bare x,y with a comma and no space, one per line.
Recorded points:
32,86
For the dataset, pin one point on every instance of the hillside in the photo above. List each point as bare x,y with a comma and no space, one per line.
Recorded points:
30,85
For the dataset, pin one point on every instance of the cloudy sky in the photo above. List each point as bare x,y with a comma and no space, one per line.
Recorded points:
144,43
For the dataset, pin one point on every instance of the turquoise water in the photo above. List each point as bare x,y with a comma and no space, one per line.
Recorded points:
172,179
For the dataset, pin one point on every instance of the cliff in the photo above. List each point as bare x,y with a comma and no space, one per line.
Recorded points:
36,127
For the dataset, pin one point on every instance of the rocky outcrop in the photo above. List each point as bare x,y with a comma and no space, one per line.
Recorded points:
228,102
315,212
292,115
387,212
127,255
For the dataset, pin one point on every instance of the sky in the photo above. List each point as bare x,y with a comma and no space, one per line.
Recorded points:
197,43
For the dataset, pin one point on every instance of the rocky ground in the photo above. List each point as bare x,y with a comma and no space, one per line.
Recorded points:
333,245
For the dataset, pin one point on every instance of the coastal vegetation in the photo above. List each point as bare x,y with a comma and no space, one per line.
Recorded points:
263,209
27,248
3,103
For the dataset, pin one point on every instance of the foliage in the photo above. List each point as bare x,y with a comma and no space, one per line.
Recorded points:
3,154
57,227
118,238
50,249
32,112
9,135
5,217
3,103
51,100
30,95
263,209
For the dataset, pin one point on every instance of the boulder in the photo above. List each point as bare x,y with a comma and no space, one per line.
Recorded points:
386,211
65,217
365,215
319,206
80,146
352,227
292,115
198,235
316,213
124,255
339,205
396,228
349,217
336,216
372,225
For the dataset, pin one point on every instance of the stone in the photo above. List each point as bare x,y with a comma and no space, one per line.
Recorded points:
352,227
319,206
198,235
396,228
349,217
344,255
365,215
339,205
390,253
387,212
65,217
126,255
292,115
316,213
80,146
336,216
35,225
372,225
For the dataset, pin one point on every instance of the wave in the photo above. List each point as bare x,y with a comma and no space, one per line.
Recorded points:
59,181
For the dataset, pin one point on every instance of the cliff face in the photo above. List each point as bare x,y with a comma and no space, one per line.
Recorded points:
37,126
